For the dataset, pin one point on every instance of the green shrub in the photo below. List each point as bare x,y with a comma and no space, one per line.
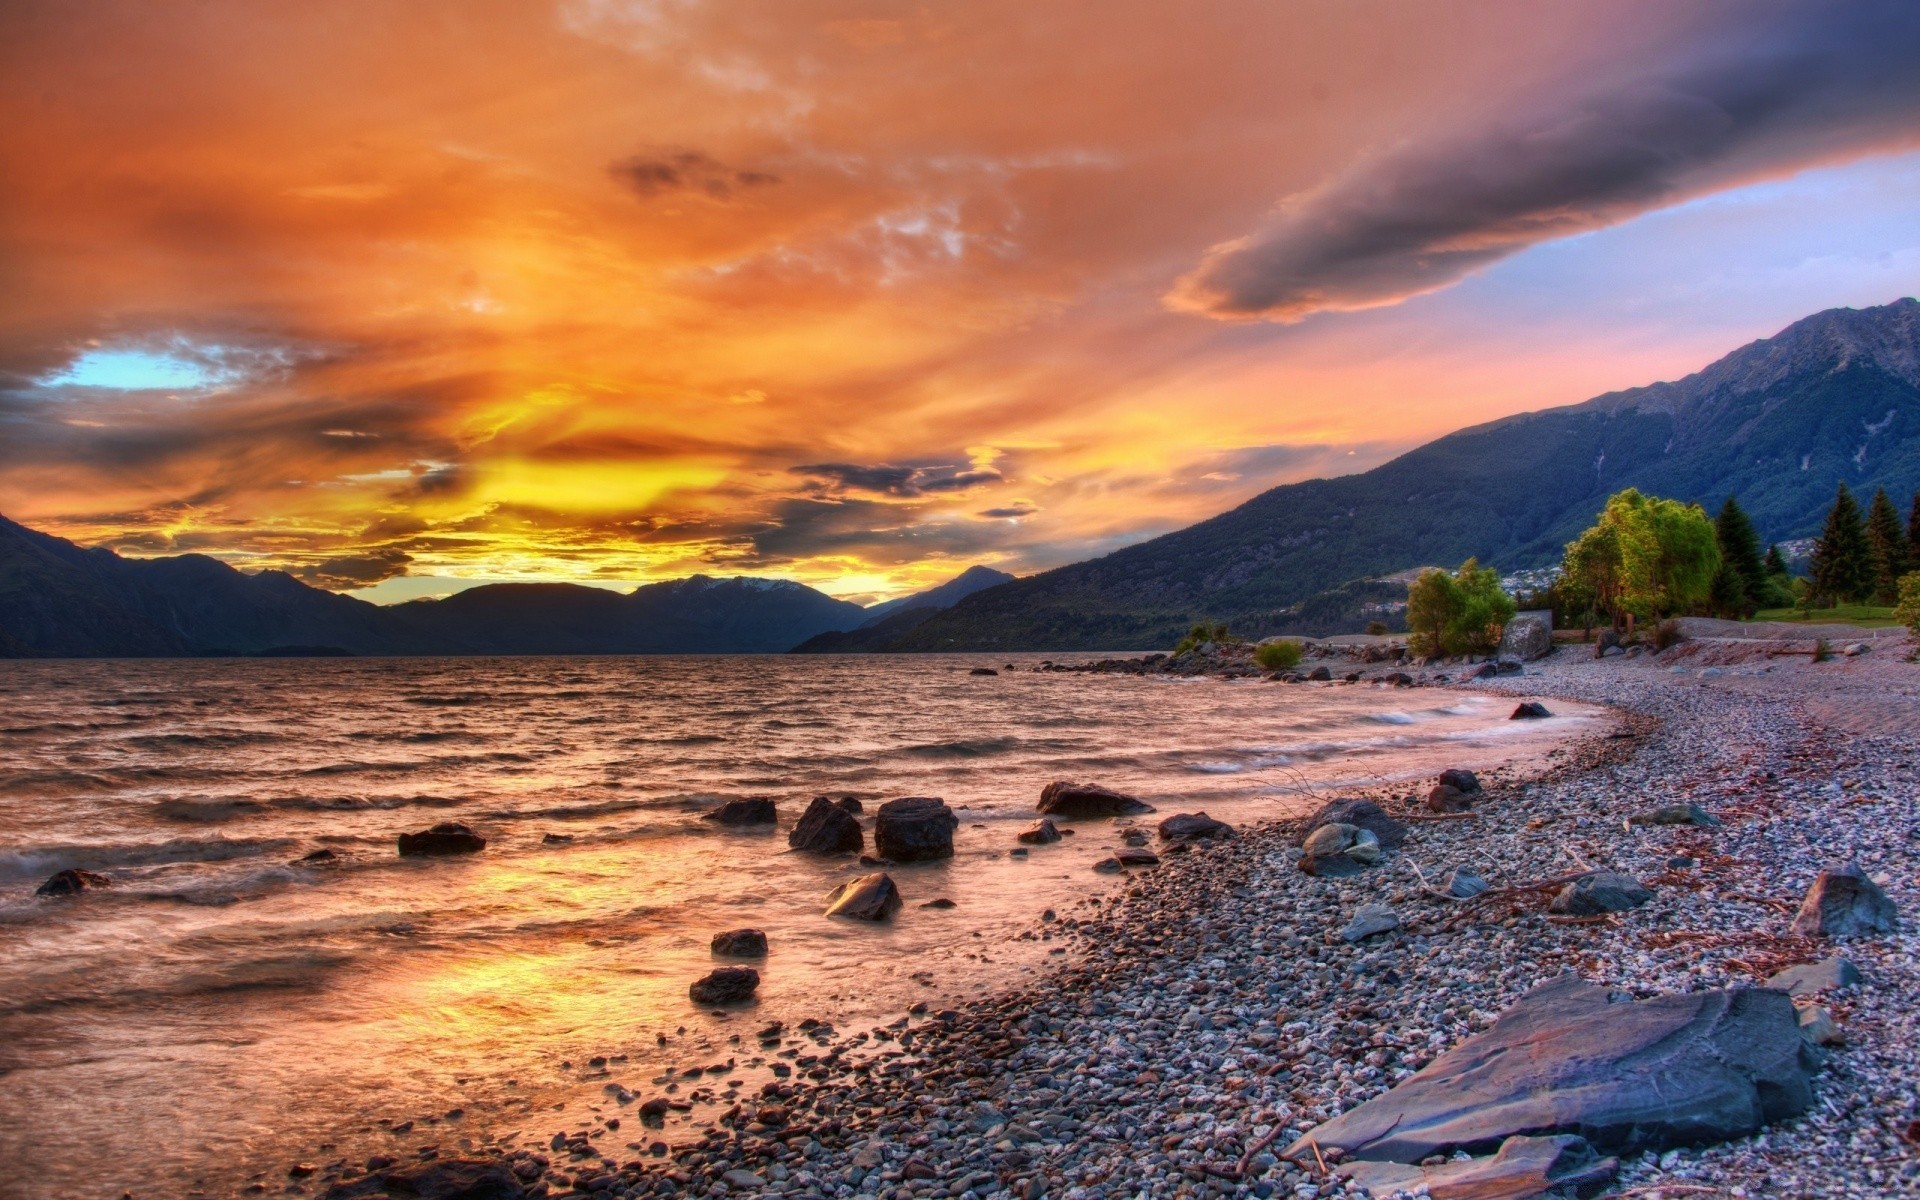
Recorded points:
1907,612
1202,633
1277,656
1459,613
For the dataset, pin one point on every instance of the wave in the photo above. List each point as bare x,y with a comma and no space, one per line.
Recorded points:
206,809
36,862
963,748
214,740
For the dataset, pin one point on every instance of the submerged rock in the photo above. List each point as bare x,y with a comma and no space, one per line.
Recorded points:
1041,834
724,985
740,943
1629,1076
1186,827
983,671
826,828
1078,801
1600,892
1564,1164
748,810
1529,710
1843,902
445,1179
868,898
1364,813
914,829
71,882
448,837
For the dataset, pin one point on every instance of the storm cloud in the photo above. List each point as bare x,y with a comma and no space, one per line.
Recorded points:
1773,90
652,175
903,481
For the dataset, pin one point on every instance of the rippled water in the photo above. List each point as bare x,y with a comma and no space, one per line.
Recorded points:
221,1011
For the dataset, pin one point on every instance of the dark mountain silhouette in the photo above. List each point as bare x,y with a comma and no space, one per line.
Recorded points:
890,620
1778,423
944,595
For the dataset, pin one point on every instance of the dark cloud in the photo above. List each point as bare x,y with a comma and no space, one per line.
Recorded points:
1773,89
877,531
356,570
652,175
1019,508
902,481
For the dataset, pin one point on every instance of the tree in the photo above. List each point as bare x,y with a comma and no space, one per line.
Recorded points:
1433,604
1645,556
1777,564
1842,558
1913,527
1740,555
1907,612
1887,544
1460,613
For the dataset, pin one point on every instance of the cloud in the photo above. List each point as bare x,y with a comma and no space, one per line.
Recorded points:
1784,88
356,570
1009,512
903,481
686,171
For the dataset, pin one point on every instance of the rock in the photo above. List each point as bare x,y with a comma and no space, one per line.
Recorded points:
939,902
740,943
1320,675
1817,1025
318,858
914,829
1599,892
1338,850
826,828
724,985
1607,643
1675,814
1041,834
1138,858
1078,801
71,882
1187,827
1810,979
1364,813
1465,781
1463,884
1528,636
1674,1070
1108,866
740,1177
1370,920
443,1179
1397,679
748,810
1529,710
448,837
851,804
1843,902
555,839
1564,1164
983,671
1855,649
868,898
1448,799
1135,837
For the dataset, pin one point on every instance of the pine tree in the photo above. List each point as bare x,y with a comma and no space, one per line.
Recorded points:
1887,544
1740,552
1842,559
1913,529
1777,564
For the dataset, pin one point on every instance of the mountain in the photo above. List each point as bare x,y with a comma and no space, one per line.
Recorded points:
890,620
58,600
1779,422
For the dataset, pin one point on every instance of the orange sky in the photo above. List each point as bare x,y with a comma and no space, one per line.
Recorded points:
859,293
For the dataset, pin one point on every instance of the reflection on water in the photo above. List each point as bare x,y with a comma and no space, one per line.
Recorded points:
225,1008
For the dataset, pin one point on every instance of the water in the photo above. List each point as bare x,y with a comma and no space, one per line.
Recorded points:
221,1011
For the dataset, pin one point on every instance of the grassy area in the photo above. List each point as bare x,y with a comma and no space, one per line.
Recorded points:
1867,615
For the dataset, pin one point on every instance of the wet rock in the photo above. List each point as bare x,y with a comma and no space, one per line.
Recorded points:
1135,837
1041,834
1187,827
851,804
1364,813
1338,850
1466,781
445,1179
1600,892
939,902
1448,799
1079,801
1528,636
740,943
724,985
318,858
1108,866
1370,920
1529,710
1524,1167
747,810
72,882
914,829
1675,814
1138,858
555,839
448,837
1674,1070
868,898
1843,902
1810,979
983,671
826,828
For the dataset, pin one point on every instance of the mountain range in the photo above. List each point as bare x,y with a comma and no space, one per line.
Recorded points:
1779,422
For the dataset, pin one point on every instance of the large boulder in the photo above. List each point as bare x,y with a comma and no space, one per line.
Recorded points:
740,943
1078,801
1525,1166
868,898
1336,851
725,985
444,1179
748,810
1843,902
826,828
1528,635
1364,813
71,882
448,837
1189,827
914,829
1568,1057
1599,892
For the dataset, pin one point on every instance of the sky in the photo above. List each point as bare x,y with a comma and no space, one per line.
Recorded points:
404,296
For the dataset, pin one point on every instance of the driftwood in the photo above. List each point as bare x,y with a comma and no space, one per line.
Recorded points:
1238,1170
